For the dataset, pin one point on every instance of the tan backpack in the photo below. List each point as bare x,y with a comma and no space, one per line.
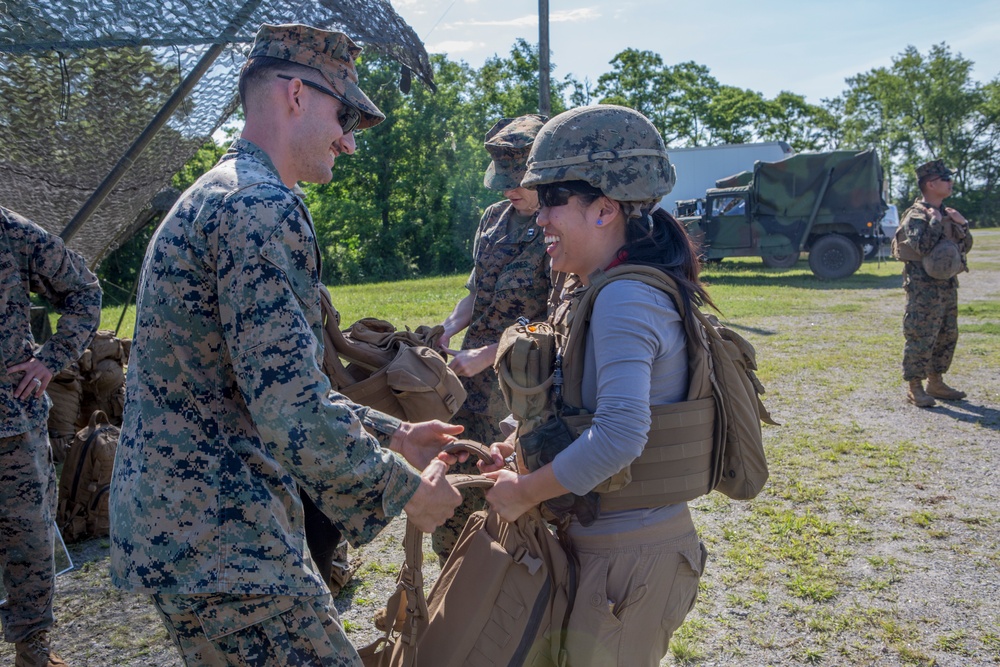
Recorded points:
503,597
102,371
396,372
85,480
66,392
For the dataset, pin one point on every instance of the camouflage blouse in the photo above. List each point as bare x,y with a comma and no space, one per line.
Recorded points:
34,261
510,280
227,411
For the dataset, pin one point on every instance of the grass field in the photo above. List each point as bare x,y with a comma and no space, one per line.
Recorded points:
876,541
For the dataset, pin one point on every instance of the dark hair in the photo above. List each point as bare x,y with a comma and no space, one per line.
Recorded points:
656,239
260,69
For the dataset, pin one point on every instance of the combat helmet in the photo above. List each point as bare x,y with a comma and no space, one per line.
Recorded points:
944,260
613,148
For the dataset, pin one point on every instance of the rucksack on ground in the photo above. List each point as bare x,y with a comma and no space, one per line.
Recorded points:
503,597
722,413
82,512
66,392
102,371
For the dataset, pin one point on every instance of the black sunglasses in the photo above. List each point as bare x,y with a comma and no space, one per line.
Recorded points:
946,179
558,194
349,117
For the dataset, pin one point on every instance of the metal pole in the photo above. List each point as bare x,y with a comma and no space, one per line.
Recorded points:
544,100
159,120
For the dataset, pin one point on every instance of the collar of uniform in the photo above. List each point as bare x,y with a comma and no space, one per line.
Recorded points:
245,147
520,227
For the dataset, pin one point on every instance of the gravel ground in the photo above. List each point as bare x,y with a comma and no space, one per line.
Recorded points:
877,541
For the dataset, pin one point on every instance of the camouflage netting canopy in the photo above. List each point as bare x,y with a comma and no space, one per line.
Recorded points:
81,82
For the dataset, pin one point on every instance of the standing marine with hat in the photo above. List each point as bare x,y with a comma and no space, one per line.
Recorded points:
32,260
510,279
932,240
227,412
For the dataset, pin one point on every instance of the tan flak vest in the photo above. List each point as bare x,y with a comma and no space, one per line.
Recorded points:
711,440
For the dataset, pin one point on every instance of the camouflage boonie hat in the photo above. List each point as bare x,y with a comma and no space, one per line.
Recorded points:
933,169
508,143
613,148
332,54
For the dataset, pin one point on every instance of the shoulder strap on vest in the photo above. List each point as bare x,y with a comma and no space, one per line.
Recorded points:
580,314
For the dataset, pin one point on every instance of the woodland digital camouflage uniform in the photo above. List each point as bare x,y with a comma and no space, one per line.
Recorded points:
510,279
32,260
930,321
227,410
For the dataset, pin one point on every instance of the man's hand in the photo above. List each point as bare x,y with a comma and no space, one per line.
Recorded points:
467,363
36,378
956,217
435,500
420,443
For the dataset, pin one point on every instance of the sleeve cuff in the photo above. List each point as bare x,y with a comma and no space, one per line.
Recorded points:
399,488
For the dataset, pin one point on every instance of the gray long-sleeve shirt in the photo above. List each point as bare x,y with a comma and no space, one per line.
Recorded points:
635,357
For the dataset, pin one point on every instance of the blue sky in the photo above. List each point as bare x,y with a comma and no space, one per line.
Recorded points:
807,46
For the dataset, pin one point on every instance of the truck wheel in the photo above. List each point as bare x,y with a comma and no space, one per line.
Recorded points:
834,256
781,261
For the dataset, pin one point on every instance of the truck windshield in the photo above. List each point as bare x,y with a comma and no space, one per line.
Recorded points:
728,206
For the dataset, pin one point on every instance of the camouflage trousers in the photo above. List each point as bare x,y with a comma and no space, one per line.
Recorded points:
930,327
481,428
218,629
28,495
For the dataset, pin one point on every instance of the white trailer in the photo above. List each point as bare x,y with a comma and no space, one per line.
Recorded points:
699,168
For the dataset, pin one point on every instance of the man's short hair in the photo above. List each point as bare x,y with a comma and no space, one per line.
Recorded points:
261,69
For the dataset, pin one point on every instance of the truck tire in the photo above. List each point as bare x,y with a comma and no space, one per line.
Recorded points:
834,256
781,261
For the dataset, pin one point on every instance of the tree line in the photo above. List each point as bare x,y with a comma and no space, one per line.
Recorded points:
408,202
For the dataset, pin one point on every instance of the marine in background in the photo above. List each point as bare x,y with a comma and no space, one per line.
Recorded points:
510,279
933,241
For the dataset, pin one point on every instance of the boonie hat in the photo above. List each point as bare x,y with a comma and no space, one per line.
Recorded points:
332,54
934,169
508,143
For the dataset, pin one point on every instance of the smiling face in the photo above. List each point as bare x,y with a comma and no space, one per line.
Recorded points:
319,139
574,240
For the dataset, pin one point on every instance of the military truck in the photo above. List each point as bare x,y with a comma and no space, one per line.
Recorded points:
825,204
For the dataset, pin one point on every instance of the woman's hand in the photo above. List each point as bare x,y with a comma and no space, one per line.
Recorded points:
512,495
499,452
509,496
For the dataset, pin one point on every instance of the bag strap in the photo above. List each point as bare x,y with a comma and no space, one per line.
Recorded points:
407,607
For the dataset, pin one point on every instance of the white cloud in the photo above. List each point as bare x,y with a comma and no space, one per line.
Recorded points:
574,15
530,20
453,47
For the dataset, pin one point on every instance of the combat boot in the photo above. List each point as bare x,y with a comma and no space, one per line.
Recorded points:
917,396
35,651
938,389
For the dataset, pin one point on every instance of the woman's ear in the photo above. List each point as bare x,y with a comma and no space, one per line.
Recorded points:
609,208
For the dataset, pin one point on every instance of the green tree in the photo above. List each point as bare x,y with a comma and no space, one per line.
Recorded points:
925,107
